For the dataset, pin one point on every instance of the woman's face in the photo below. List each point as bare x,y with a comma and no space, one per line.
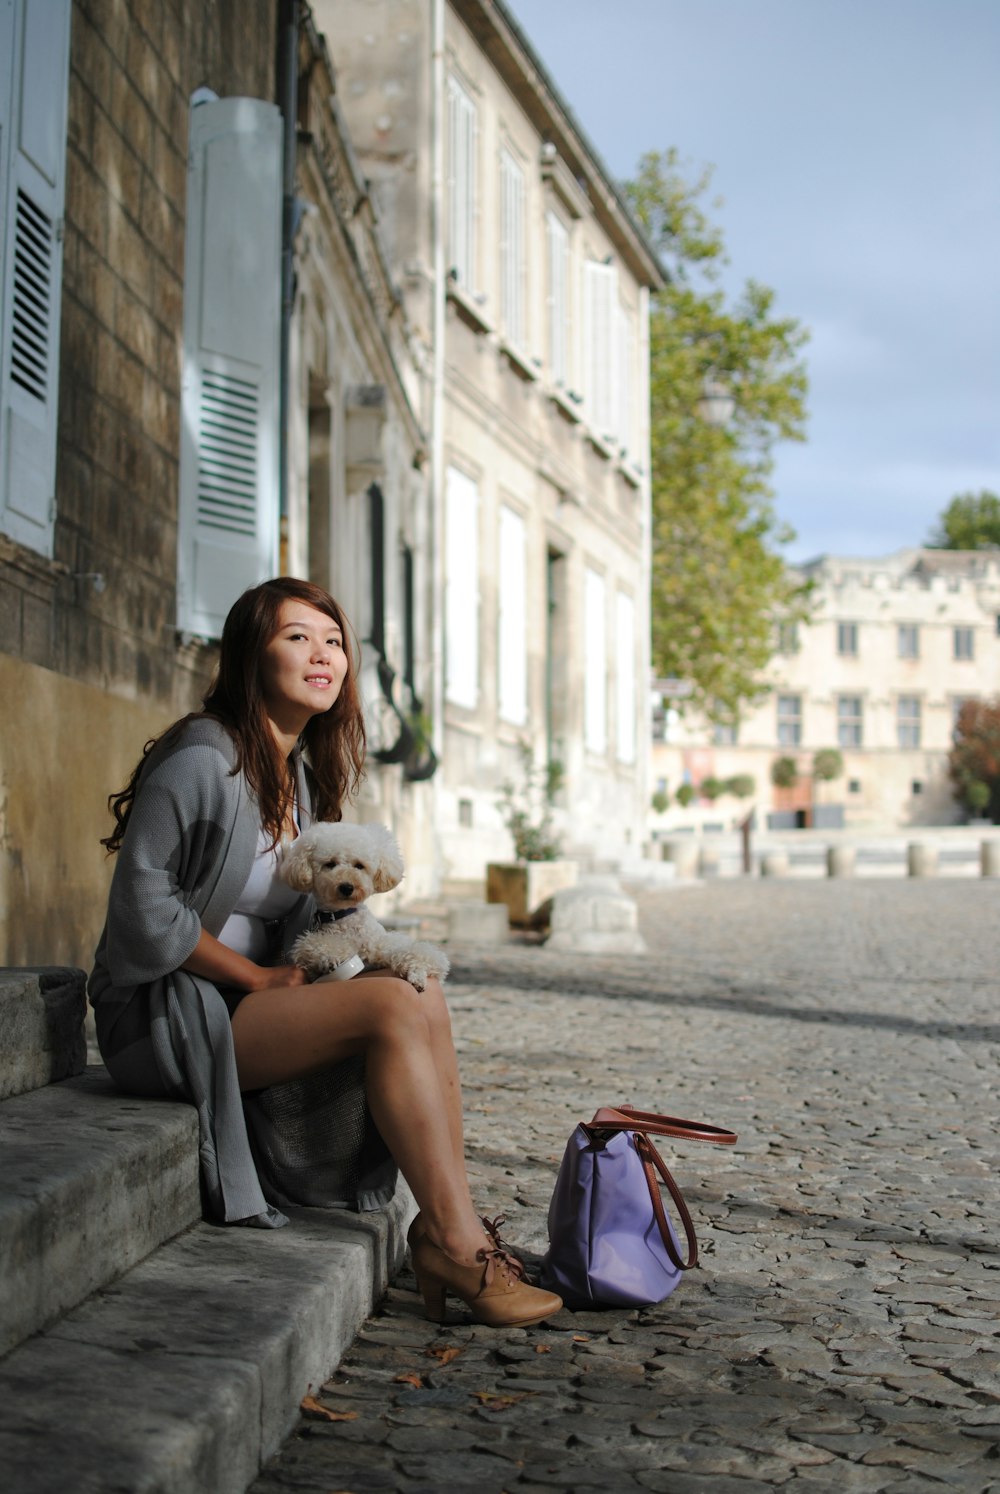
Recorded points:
303,667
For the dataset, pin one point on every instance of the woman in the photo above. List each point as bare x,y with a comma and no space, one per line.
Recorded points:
193,993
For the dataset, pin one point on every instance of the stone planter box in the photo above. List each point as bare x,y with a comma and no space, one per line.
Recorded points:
527,887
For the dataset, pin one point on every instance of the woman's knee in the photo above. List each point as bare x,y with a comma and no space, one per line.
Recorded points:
435,1007
396,1007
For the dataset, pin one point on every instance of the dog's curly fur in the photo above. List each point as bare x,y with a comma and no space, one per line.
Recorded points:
342,865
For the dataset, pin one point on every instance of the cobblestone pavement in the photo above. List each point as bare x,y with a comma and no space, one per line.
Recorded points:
843,1333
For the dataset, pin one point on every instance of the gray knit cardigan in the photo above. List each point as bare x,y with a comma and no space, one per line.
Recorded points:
184,861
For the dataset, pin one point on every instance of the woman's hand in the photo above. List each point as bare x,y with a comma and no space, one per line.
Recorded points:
222,965
281,975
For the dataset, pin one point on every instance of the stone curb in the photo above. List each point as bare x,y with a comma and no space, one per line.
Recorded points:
42,1040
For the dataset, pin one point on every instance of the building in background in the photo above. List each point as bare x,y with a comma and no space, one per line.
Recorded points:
527,283
894,646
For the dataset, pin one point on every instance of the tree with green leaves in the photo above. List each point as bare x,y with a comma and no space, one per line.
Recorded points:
974,760
719,583
970,522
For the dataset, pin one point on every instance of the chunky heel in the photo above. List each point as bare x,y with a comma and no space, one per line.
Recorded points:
433,1293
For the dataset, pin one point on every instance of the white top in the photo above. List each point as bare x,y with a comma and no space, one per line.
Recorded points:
263,899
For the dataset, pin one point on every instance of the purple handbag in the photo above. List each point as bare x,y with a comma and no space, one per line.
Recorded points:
611,1243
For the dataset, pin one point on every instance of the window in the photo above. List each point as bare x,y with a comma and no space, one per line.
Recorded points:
34,63
908,641
908,721
963,643
462,143
847,640
957,702
917,786
854,785
788,638
600,346
789,720
595,688
558,299
625,677
724,733
512,641
626,360
512,261
849,720
461,590
229,480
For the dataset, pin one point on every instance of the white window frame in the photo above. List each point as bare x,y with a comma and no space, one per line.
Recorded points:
461,589
463,145
963,643
908,721
908,641
513,259
595,662
34,72
789,714
847,640
625,376
850,721
512,623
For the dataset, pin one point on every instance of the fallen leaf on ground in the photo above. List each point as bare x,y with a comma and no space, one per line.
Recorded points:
494,1402
410,1379
445,1353
542,1349
310,1406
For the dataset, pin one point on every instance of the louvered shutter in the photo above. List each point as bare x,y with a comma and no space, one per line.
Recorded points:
34,64
625,380
601,339
512,249
461,183
558,299
229,473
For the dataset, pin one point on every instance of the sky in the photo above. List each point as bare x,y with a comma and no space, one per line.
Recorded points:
856,150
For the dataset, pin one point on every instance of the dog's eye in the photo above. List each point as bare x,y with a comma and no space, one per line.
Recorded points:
329,865
360,866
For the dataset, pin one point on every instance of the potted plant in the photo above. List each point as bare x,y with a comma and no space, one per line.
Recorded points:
784,772
526,805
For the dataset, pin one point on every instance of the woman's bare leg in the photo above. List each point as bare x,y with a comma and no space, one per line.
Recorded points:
412,1086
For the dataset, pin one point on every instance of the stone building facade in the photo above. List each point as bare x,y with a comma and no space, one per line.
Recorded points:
526,284
892,649
143,186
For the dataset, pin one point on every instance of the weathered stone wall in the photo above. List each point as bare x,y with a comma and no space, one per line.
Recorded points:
90,665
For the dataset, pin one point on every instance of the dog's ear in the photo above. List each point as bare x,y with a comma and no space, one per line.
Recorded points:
388,867
295,866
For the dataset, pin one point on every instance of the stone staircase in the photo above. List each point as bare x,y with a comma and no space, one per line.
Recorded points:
140,1348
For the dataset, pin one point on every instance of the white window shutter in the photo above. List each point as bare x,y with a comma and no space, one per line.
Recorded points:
461,602
595,664
461,183
625,677
625,380
229,471
512,249
601,337
34,68
513,638
558,299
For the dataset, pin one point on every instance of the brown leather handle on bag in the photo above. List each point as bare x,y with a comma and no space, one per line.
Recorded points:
651,1159
627,1118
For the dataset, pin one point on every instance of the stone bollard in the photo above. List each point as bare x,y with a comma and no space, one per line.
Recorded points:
683,856
709,860
989,858
595,917
774,864
840,861
921,859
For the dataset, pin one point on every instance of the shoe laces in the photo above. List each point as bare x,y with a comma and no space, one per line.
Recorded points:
500,1252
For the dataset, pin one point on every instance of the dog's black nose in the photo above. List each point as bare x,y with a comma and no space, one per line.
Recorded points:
346,889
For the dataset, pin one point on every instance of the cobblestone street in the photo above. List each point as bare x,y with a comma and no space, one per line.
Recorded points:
843,1333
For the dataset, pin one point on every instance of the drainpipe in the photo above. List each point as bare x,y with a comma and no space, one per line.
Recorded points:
437,229
288,84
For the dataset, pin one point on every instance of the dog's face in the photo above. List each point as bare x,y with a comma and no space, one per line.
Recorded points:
342,865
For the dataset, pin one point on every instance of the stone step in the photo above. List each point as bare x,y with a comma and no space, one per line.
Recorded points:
41,1027
93,1180
186,1374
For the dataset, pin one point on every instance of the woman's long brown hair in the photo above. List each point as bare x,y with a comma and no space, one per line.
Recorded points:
334,741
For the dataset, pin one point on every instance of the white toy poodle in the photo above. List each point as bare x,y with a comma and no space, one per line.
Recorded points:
342,865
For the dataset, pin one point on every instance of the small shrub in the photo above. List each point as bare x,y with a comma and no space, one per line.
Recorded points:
977,795
828,764
741,785
661,801
684,795
784,772
526,808
711,789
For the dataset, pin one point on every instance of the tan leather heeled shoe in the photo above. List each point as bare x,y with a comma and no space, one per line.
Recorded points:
494,1290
